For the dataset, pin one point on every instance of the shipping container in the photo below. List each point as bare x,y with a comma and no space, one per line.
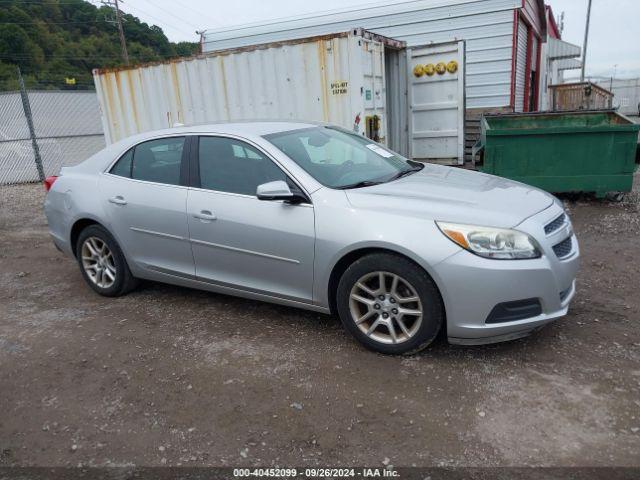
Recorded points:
337,78
411,99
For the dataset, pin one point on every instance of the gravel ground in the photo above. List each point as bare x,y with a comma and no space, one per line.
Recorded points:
172,376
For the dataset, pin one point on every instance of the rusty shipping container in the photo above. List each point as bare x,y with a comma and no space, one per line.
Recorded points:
336,78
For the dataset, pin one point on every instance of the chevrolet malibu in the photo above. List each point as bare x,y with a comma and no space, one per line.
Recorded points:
317,217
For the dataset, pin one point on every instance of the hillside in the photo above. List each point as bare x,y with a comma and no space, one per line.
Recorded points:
56,39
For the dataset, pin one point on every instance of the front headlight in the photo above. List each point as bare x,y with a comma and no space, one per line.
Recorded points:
491,242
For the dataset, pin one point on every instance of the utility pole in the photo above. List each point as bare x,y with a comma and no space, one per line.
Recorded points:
118,21
615,69
560,22
201,33
584,44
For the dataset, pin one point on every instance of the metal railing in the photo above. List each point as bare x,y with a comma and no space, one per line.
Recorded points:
42,131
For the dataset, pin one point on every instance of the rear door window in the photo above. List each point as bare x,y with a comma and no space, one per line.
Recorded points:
156,161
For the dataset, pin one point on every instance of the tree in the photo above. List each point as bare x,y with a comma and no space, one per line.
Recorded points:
52,40
17,48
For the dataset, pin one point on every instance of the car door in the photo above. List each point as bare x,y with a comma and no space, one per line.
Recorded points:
145,196
239,241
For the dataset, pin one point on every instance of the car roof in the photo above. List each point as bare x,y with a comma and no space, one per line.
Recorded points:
259,128
246,129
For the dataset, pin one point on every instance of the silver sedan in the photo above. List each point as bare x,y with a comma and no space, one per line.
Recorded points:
317,217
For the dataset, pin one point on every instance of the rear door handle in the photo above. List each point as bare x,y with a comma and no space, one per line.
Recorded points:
118,200
205,215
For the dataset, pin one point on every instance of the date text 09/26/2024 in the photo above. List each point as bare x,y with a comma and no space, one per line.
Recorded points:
316,472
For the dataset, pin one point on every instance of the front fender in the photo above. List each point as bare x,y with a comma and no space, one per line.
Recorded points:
341,231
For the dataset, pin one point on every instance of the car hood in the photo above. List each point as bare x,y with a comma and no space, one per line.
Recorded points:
456,195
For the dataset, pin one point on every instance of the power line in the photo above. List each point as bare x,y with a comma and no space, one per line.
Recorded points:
173,15
109,3
189,7
147,14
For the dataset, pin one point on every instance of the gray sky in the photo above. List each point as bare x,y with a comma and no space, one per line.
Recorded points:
614,35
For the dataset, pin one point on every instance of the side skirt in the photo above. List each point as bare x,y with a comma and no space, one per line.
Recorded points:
151,273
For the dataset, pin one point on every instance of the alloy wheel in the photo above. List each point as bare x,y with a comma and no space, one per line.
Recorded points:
98,262
386,307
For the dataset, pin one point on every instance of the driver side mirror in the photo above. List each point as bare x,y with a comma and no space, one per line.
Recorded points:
277,190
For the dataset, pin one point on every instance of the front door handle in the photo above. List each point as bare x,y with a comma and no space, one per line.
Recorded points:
118,200
205,216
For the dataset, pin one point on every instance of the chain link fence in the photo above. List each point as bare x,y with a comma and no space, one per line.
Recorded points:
66,130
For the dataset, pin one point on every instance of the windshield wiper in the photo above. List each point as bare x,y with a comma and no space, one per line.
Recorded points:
369,183
364,183
404,173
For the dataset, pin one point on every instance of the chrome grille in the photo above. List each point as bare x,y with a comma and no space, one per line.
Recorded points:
555,224
563,248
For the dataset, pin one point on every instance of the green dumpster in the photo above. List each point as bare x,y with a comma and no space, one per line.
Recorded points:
587,151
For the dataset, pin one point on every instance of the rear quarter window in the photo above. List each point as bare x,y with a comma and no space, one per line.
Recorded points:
122,168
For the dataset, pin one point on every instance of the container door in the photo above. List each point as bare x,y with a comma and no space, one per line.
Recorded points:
436,102
395,79
373,91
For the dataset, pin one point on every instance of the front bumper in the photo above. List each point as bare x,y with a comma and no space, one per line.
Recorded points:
475,285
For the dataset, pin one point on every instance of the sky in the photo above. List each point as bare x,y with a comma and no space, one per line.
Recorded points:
614,37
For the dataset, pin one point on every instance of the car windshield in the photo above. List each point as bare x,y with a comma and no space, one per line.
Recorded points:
340,159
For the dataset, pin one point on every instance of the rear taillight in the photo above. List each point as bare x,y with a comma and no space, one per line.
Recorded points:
49,181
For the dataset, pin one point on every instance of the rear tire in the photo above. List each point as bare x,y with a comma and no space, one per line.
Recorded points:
389,304
102,263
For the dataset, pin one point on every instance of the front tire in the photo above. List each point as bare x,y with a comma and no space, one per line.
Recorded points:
389,304
102,263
